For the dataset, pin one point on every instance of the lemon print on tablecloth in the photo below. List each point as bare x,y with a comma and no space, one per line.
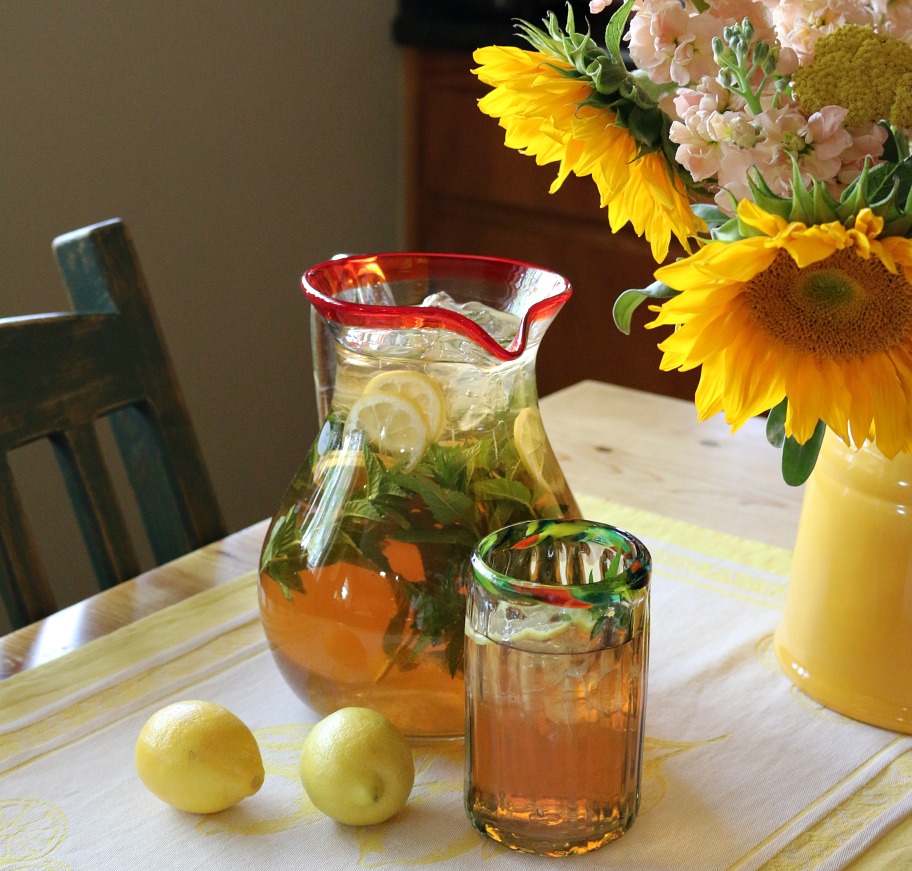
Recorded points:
30,830
656,752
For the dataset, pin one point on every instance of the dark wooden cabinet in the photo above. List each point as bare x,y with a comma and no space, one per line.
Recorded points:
469,193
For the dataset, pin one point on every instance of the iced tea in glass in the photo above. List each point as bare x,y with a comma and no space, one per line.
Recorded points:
557,643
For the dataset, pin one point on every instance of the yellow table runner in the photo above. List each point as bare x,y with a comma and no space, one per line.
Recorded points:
741,771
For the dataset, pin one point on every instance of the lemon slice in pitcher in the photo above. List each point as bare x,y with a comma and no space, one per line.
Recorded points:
535,451
419,388
393,424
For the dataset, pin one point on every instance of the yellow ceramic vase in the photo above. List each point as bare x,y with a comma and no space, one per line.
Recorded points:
846,635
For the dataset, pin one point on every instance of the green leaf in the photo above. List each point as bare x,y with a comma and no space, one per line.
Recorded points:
629,300
599,625
624,307
605,74
455,653
615,31
502,488
766,199
397,624
376,472
614,567
802,200
775,424
444,464
283,537
798,460
824,205
447,506
900,227
502,515
480,457
364,509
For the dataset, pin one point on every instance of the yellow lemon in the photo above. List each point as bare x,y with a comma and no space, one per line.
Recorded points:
420,388
199,757
356,767
394,424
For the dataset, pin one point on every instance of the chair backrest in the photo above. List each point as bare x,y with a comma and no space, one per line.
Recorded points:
62,372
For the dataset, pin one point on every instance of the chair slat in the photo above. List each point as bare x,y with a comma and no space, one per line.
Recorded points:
152,474
100,518
158,445
24,587
68,369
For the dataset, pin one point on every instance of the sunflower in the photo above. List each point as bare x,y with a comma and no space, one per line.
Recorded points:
542,105
820,315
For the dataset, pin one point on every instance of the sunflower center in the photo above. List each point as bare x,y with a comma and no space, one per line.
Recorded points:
841,307
828,288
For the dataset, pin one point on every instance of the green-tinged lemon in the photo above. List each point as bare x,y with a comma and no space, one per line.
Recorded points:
535,451
420,388
356,767
198,757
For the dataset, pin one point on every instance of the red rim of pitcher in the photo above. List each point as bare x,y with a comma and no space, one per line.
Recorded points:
323,299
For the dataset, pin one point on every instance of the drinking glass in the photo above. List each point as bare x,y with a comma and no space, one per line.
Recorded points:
557,644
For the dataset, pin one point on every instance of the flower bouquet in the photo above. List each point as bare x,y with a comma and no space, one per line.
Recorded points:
769,139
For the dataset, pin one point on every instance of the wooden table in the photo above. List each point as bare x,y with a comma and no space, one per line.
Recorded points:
640,449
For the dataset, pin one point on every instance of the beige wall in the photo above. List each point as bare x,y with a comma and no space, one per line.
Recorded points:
241,141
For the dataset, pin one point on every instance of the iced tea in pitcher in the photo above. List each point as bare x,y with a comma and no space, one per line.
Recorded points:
432,439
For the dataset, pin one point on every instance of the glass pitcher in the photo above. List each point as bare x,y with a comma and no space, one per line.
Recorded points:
431,439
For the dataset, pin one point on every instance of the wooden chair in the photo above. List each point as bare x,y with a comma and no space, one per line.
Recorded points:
62,372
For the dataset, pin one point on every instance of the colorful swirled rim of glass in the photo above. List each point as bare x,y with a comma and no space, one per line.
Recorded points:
632,564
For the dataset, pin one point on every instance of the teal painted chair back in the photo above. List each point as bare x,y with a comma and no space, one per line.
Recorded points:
60,374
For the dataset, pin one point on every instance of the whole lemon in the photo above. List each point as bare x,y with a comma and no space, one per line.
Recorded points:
356,767
199,757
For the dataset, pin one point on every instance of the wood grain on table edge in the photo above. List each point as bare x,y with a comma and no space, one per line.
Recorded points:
71,627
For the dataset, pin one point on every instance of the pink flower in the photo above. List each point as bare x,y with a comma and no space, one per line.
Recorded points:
866,142
800,23
671,45
894,17
712,122
733,172
596,6
826,140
